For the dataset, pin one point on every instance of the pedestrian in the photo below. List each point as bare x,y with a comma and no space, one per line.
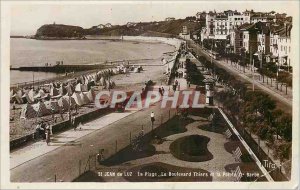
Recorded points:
162,90
152,119
42,130
73,122
37,131
48,133
174,87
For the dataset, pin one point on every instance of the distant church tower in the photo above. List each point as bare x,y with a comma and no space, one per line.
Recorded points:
53,23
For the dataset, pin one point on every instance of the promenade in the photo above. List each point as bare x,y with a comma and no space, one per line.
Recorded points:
284,101
64,159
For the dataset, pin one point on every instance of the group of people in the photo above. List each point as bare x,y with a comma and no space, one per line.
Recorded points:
161,90
43,130
176,85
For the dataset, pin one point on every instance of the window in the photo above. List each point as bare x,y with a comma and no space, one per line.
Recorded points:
244,36
281,48
235,18
241,43
290,49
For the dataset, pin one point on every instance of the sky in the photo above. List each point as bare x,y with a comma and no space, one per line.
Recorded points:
27,17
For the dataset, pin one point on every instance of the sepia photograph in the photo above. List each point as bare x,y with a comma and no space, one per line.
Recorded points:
150,94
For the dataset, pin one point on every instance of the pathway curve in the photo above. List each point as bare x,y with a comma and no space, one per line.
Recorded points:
215,146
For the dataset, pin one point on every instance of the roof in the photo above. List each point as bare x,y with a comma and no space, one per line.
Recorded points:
284,31
243,26
247,26
263,27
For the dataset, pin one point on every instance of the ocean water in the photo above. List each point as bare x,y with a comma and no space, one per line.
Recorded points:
30,52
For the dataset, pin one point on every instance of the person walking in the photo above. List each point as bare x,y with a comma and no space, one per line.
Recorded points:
162,90
48,133
73,122
152,119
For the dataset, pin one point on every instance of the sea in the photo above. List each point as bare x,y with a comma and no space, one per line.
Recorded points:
31,52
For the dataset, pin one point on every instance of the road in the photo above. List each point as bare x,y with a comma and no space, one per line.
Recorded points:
282,102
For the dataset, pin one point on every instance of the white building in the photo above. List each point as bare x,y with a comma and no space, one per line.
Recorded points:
222,25
280,45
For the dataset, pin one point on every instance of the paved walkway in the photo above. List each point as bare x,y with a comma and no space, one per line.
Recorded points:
221,157
39,148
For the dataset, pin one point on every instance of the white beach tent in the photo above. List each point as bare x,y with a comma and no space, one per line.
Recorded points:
102,81
78,87
69,100
69,89
41,94
28,112
31,95
84,98
90,95
26,99
54,92
16,98
41,109
77,99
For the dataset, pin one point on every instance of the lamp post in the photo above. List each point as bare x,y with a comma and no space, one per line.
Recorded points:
277,64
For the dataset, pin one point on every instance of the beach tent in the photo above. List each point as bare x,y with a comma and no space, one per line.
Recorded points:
62,90
90,95
84,98
31,95
40,94
12,93
63,104
55,107
84,88
77,99
54,92
69,100
40,109
26,99
69,89
102,81
16,98
52,106
28,112
78,87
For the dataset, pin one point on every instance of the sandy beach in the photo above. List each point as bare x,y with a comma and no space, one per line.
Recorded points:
153,69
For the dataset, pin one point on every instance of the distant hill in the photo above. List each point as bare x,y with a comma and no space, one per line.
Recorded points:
162,28
59,31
